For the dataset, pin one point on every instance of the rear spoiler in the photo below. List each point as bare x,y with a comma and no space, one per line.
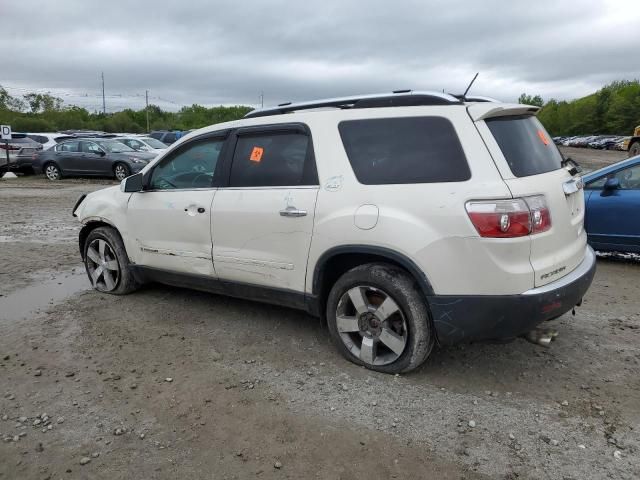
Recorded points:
484,110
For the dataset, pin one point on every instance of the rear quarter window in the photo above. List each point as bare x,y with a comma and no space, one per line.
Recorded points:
525,144
404,150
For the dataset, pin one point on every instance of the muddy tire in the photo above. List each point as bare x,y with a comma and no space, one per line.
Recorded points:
378,318
634,149
107,263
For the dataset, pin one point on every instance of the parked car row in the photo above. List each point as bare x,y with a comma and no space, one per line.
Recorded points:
600,142
66,154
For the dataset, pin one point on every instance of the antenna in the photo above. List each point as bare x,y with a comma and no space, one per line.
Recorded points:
464,95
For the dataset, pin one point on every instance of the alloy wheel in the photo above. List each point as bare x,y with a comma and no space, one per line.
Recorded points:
52,172
102,266
121,172
371,325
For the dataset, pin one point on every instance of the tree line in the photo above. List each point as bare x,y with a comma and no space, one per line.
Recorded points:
614,109
42,112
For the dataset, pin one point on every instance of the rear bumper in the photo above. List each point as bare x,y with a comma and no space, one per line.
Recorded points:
484,317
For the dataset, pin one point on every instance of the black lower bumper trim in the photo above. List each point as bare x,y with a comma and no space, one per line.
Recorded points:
492,317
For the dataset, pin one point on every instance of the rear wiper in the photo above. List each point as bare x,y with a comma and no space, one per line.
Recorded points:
571,165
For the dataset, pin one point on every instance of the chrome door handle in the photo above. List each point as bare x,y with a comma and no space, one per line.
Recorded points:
292,212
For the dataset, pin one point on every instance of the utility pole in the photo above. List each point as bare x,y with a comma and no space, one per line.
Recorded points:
262,99
146,95
104,105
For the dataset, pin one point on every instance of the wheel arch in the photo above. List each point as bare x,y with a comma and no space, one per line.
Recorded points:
88,227
336,261
51,162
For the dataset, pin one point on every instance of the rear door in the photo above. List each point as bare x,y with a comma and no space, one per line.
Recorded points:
67,156
263,220
612,221
530,164
93,159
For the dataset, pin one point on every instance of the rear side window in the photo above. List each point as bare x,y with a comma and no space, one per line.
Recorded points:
270,160
525,145
38,138
404,150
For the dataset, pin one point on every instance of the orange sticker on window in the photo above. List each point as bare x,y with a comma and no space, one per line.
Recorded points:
543,137
256,154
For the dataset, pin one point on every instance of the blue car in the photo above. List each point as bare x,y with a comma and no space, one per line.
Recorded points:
612,199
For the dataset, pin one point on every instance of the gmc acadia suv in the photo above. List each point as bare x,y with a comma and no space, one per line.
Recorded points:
403,219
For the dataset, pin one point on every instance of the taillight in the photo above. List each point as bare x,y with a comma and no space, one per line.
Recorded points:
540,216
509,218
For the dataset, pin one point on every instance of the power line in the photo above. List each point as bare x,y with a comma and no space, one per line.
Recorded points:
51,91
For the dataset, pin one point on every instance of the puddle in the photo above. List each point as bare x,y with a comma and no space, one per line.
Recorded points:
38,296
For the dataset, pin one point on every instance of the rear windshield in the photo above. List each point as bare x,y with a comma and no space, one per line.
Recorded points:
525,145
404,150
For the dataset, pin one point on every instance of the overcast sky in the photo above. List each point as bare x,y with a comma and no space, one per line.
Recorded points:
212,52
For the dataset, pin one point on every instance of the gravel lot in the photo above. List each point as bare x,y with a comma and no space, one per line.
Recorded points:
170,383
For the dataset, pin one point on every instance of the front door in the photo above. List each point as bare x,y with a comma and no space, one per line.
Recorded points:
263,220
612,219
170,221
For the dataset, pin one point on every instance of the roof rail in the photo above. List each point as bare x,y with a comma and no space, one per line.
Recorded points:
475,98
399,98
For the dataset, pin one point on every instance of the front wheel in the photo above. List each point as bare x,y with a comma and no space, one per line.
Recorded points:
378,318
634,149
106,262
121,171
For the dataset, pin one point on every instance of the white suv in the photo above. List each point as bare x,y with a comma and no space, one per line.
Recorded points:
403,219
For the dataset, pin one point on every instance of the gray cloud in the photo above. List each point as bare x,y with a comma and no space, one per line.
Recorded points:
214,52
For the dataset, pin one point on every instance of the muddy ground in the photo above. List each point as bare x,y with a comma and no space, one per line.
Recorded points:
170,383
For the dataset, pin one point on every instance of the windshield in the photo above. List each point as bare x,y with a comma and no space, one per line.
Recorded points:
115,147
153,143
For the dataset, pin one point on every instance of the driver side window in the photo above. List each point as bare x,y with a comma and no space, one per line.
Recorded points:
192,166
629,179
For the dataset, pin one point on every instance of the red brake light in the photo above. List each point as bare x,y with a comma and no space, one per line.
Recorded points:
510,218
540,216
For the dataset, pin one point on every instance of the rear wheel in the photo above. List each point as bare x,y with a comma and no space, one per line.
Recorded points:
634,149
378,318
52,171
121,171
106,262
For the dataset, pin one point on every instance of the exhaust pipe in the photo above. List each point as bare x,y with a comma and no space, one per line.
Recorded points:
541,336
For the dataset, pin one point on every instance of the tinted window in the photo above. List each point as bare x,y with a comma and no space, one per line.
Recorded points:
525,145
404,150
169,138
192,166
270,160
157,135
68,147
38,138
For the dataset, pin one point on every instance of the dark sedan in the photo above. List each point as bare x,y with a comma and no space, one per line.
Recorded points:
612,197
90,157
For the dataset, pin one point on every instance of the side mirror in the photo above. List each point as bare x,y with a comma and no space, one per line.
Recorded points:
134,183
612,184
102,153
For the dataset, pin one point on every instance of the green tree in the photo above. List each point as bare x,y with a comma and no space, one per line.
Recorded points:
531,100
